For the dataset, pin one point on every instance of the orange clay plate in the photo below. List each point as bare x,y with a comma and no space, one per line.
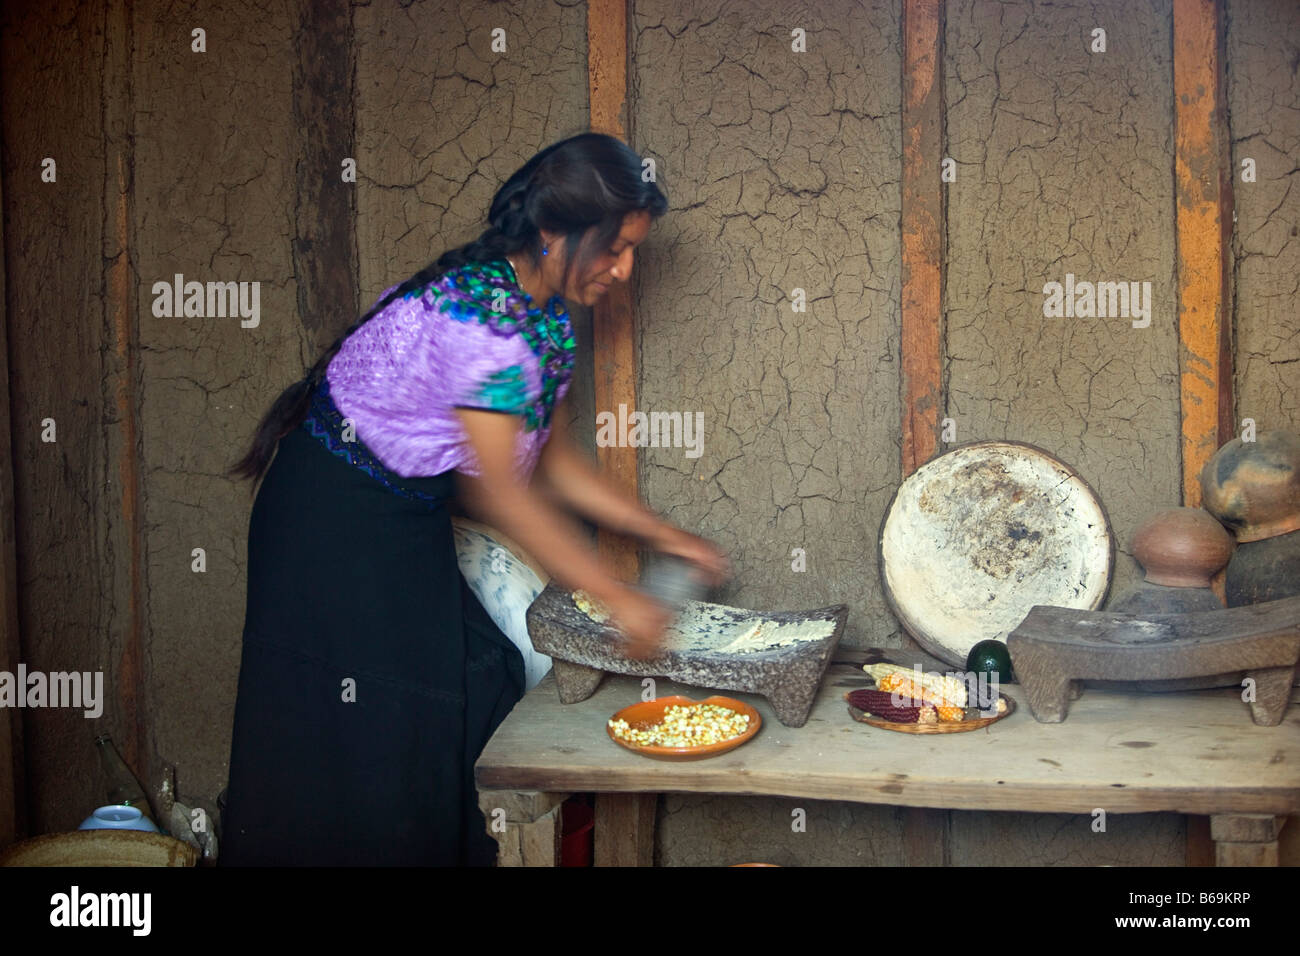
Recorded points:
650,712
972,720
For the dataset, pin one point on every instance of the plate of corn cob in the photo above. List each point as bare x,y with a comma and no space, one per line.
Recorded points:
913,702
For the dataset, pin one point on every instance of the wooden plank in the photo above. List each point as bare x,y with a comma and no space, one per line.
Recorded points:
1203,217
539,841
122,377
531,844
624,833
521,806
613,319
533,825
324,209
922,218
1288,842
920,337
1200,845
1246,827
1115,751
12,811
925,837
1246,854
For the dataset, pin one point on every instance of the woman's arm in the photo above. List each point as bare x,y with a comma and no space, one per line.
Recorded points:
500,498
516,508
566,476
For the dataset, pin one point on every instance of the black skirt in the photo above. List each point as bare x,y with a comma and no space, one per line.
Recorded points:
371,677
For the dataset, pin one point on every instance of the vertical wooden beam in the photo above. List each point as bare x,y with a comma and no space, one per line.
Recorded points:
926,837
12,776
122,383
1203,218
1203,232
925,831
1199,843
922,215
613,326
325,215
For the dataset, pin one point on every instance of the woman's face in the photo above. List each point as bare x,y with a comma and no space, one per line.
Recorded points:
609,266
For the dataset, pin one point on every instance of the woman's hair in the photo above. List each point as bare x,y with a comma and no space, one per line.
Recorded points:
586,183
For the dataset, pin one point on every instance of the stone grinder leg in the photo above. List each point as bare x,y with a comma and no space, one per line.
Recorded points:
792,705
1049,691
1272,692
576,682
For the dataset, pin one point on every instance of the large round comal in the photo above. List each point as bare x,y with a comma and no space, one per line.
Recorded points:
978,536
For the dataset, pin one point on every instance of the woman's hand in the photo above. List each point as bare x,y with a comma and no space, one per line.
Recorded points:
699,551
641,619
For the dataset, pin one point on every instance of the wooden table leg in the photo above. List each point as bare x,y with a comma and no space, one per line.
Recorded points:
525,824
926,839
1200,844
625,829
1245,839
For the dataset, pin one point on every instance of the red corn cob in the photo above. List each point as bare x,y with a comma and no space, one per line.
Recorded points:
877,703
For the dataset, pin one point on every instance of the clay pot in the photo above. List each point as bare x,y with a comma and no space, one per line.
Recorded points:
1182,547
1254,487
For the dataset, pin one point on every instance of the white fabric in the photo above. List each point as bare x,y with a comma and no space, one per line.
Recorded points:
505,586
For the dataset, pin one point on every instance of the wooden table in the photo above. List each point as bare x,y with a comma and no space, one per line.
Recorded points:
1193,752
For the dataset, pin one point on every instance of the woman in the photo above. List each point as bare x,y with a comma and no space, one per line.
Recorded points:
371,677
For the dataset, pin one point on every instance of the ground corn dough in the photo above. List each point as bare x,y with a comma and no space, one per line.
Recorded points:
589,606
700,627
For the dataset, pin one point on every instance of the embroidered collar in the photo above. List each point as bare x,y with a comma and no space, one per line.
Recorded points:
488,293
503,266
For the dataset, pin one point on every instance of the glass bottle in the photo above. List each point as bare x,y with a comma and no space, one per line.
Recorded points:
123,787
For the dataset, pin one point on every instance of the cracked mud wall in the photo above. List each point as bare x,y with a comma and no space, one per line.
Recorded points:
1064,162
1264,117
214,192
442,122
783,174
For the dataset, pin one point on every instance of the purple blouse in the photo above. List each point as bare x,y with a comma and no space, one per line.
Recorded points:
472,338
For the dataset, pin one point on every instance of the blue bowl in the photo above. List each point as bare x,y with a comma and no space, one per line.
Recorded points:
118,817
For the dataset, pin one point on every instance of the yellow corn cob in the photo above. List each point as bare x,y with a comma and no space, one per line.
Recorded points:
948,690
909,690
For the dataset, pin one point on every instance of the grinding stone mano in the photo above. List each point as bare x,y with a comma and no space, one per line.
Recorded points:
694,651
